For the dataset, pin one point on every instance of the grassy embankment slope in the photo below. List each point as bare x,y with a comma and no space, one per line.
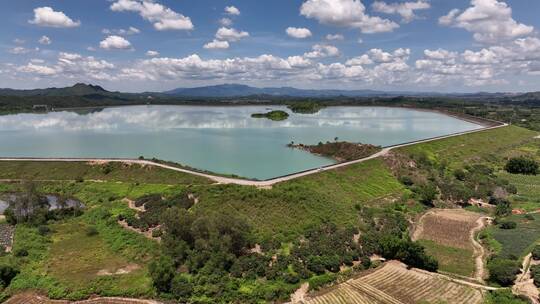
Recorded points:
283,212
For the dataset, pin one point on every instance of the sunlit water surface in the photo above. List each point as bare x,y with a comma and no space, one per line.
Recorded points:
219,139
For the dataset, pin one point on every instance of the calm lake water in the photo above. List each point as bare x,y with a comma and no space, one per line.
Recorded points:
219,139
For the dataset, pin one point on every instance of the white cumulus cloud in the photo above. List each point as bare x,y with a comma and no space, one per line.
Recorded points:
46,16
151,53
114,42
490,21
346,13
322,51
217,45
230,34
334,37
163,18
405,9
232,10
298,32
129,31
45,40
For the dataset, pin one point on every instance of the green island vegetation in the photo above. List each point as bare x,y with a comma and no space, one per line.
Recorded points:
339,150
306,107
277,115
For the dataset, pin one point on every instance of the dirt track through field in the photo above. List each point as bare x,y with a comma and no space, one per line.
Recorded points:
459,215
261,184
479,251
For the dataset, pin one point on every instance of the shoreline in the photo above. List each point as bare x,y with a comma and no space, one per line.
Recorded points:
247,182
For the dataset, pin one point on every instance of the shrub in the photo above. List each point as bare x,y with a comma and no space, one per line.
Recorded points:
157,233
503,271
536,252
507,225
181,287
504,296
521,165
460,174
7,273
406,180
162,273
21,252
91,231
535,274
43,230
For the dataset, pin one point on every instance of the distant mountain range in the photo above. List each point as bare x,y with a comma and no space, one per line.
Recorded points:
238,90
79,89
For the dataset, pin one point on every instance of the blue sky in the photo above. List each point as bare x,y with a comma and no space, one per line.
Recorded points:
139,45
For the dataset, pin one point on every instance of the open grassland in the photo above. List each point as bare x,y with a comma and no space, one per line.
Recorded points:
528,191
488,145
393,283
451,259
515,243
31,170
446,234
291,207
89,254
80,260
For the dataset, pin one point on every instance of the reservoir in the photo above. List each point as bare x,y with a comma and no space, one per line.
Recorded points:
221,139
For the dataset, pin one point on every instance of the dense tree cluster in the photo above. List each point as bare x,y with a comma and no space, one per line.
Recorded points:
388,237
521,165
212,255
503,271
155,205
431,181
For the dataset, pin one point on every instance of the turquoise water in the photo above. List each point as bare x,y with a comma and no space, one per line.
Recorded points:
219,139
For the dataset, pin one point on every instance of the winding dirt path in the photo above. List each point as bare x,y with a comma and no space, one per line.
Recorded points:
261,184
479,251
524,283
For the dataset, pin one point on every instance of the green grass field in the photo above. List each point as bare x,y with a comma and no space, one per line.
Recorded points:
451,259
289,208
519,241
490,145
85,171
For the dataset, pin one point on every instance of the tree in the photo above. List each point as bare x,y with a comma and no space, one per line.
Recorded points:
7,273
427,193
162,273
181,287
521,165
28,206
503,208
536,252
503,271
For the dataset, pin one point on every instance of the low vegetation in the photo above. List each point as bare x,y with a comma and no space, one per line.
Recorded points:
521,165
339,150
272,115
306,107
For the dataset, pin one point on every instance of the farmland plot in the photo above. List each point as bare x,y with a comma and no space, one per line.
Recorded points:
393,283
447,234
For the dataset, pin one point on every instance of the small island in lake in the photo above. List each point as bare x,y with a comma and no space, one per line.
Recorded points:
339,150
272,115
306,107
